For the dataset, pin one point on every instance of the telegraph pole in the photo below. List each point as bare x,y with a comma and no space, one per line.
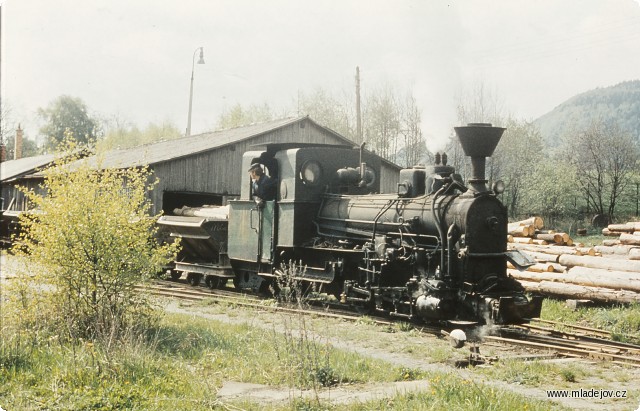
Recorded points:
358,112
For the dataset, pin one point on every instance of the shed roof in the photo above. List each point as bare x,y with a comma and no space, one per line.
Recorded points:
158,152
171,149
16,168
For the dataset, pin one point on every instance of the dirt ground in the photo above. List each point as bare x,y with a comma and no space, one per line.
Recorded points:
408,349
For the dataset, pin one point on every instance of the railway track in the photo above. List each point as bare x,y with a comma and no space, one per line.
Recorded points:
181,290
570,345
231,296
581,342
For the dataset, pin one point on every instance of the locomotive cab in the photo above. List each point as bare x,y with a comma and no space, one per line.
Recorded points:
252,228
261,237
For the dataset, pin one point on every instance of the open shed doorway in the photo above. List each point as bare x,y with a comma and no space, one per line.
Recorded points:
178,199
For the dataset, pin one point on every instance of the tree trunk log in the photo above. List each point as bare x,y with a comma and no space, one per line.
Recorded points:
629,227
538,242
548,249
537,267
542,257
552,238
600,262
587,251
614,250
609,233
589,277
626,238
523,240
517,230
581,292
536,222
587,274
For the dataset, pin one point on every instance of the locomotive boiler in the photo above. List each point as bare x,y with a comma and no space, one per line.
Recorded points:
435,250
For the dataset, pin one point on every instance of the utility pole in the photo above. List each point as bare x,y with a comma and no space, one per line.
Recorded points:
358,112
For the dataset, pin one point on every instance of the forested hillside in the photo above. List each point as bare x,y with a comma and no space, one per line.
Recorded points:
616,104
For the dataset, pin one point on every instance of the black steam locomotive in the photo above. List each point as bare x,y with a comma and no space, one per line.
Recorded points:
435,250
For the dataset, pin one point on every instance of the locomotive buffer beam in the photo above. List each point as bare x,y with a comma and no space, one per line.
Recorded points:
511,311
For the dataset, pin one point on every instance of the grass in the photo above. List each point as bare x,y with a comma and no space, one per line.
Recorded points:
535,373
184,358
184,362
622,320
590,240
445,391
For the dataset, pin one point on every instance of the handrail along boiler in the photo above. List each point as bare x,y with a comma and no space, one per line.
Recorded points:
435,250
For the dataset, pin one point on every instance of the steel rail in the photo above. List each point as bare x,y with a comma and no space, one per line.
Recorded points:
593,331
570,351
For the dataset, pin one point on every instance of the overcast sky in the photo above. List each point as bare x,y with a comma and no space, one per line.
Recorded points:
132,58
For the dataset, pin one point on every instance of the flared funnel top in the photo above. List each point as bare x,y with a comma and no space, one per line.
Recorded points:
479,139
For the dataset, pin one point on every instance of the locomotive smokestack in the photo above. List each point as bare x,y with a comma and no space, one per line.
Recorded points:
479,140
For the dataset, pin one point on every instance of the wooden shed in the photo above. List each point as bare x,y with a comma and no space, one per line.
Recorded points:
20,172
206,168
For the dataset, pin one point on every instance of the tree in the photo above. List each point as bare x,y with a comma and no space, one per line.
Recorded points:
238,116
604,158
29,147
414,146
92,241
330,111
516,158
480,105
475,105
67,114
391,121
381,122
550,192
8,127
121,134
7,123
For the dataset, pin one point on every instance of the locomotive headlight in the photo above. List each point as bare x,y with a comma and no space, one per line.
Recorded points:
498,187
310,172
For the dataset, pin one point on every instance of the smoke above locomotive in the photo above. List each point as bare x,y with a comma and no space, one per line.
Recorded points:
435,250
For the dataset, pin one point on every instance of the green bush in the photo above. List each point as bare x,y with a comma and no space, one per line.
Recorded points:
89,242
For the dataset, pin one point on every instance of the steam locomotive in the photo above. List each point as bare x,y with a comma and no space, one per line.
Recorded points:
433,251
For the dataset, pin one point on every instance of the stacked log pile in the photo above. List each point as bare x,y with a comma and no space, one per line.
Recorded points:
627,240
531,231
607,273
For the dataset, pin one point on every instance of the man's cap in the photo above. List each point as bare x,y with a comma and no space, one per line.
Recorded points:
254,166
